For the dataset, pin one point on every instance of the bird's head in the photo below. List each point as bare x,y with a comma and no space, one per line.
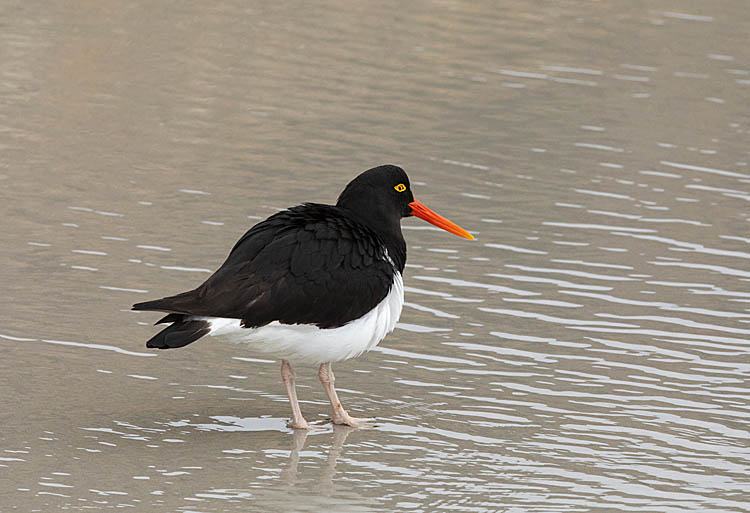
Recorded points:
382,196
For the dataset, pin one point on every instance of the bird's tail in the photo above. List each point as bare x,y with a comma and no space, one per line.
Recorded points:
184,330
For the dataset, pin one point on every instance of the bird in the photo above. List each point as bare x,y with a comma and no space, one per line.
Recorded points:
313,284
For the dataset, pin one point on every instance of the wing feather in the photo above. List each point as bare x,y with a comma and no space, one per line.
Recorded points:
310,264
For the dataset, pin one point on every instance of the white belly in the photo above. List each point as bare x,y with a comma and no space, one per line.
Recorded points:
306,343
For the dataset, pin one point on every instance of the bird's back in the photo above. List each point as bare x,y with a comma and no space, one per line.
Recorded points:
311,264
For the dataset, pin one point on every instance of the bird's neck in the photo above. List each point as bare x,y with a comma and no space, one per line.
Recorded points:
388,231
397,251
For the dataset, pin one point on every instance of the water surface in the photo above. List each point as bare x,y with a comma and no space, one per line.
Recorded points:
587,353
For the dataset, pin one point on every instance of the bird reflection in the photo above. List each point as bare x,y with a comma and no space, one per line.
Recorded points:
291,473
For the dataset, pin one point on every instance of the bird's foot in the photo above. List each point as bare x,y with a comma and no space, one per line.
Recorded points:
299,424
344,419
309,426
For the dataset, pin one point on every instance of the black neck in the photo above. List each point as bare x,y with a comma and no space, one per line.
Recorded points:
388,231
397,251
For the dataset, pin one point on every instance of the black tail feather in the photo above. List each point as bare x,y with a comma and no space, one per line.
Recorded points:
179,334
173,317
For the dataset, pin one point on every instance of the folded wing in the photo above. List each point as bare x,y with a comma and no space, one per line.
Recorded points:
306,265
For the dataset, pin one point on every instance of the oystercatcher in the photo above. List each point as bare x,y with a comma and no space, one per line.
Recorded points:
312,284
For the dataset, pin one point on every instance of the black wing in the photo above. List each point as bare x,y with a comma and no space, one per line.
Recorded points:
310,264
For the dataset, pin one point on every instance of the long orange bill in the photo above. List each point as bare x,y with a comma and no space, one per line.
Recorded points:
422,212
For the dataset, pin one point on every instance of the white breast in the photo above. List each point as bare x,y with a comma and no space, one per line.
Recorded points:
305,343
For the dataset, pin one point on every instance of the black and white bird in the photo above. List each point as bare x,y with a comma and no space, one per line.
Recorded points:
313,284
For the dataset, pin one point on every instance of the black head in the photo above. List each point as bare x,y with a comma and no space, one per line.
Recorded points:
380,197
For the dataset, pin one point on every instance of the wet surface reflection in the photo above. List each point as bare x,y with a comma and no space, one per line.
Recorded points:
587,353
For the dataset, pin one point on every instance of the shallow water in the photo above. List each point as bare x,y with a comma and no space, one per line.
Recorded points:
587,353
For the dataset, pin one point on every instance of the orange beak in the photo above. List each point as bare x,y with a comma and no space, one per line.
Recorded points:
422,212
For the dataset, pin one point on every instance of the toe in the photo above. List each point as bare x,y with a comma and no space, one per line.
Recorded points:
353,421
299,425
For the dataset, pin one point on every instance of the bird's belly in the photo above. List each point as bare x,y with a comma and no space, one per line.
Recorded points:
306,343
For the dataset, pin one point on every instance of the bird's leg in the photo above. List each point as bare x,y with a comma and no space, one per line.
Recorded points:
340,416
287,376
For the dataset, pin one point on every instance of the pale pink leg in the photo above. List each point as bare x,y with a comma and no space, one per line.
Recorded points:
339,416
287,376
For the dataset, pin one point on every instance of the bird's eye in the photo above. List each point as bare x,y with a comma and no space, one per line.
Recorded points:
400,187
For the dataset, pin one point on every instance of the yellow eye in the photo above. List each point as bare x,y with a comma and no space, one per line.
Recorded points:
400,187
